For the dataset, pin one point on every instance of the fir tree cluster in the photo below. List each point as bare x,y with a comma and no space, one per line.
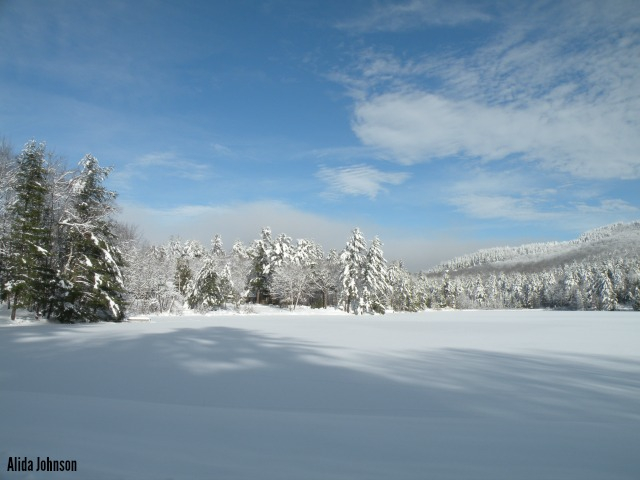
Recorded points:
58,245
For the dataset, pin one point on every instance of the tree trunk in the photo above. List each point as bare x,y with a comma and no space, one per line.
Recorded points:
14,307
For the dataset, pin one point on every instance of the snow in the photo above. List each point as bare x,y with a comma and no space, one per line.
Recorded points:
316,394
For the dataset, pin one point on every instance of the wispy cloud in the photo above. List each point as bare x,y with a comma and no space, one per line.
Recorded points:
502,207
556,85
608,206
358,180
172,164
221,150
161,164
518,195
406,15
506,195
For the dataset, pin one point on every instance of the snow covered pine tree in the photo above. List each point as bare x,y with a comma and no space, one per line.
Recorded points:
91,286
353,260
376,287
29,274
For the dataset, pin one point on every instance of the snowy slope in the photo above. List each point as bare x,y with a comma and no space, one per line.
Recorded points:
616,240
442,395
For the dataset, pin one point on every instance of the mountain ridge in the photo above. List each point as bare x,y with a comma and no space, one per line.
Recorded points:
597,244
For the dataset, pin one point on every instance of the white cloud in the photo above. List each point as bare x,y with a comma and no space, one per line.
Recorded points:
557,85
586,141
358,180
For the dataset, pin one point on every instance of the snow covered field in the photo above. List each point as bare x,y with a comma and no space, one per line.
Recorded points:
434,395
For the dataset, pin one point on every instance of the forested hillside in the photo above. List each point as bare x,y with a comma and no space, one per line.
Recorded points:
598,270
618,238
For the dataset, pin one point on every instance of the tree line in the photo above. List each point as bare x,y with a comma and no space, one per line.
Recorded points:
63,256
591,284
180,274
358,279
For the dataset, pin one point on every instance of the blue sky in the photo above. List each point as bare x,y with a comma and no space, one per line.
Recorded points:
441,126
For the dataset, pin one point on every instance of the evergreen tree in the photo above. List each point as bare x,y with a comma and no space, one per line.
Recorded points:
491,292
29,274
376,288
353,260
239,250
193,249
636,298
7,184
217,250
261,254
281,250
206,290
447,293
479,292
401,288
92,286
183,275
606,296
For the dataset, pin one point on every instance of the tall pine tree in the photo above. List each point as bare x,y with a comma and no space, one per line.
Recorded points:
375,285
353,261
91,287
29,273
261,254
7,182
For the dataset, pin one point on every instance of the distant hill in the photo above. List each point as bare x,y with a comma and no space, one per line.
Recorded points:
600,244
600,270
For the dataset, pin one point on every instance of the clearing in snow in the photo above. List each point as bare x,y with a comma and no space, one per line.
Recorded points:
275,395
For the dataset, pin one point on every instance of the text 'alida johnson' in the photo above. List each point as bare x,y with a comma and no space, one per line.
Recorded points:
24,464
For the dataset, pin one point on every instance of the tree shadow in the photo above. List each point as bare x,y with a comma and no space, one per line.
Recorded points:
238,368
247,404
